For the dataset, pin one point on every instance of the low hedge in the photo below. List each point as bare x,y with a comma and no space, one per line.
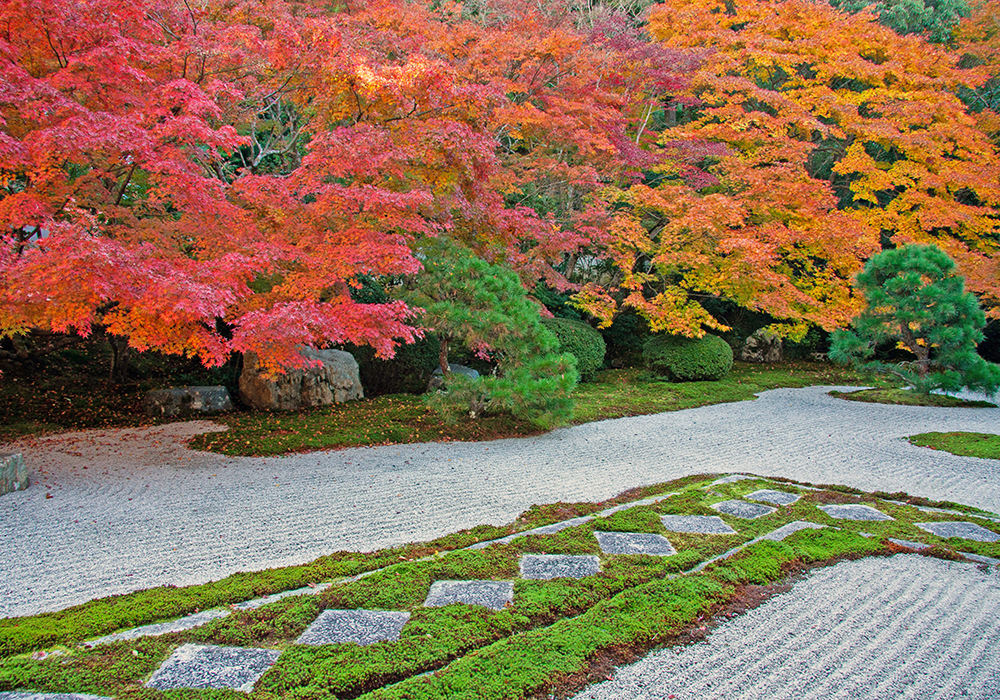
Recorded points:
580,340
683,359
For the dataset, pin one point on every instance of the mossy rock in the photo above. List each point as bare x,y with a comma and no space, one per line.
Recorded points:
683,359
580,340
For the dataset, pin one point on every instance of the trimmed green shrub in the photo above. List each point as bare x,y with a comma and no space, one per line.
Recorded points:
581,341
683,359
406,373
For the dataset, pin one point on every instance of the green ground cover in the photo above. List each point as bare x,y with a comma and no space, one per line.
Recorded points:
904,397
984,445
544,642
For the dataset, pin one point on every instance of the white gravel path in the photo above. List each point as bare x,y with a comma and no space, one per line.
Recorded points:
903,627
107,514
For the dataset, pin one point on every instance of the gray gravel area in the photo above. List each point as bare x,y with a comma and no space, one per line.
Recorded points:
131,509
903,627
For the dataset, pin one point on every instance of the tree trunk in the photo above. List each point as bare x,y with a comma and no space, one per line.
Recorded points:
120,353
443,356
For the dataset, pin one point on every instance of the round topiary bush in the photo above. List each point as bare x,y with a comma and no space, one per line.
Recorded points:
580,340
683,359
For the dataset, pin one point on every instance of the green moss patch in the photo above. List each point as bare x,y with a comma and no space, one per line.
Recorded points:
983,445
903,397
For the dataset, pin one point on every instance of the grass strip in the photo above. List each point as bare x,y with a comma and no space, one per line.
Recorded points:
904,397
982,445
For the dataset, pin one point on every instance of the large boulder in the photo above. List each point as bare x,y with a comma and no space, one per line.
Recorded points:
335,380
187,401
437,378
13,473
763,346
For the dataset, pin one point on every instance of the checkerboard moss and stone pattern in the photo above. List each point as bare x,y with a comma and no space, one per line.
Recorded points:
361,627
205,667
15,695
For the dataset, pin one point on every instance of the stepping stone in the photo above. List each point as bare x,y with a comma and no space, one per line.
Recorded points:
275,597
362,627
489,594
732,479
549,566
909,544
634,543
742,509
197,666
635,504
791,528
854,511
966,531
778,498
185,623
699,524
544,530
21,695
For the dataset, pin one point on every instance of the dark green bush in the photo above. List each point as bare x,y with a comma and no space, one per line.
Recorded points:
688,359
625,338
406,373
581,341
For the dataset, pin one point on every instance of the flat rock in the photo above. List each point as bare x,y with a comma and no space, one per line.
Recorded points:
187,401
699,524
544,530
361,627
13,472
197,666
732,479
910,544
635,504
979,558
778,498
634,543
489,594
550,566
854,511
184,623
742,509
789,529
966,531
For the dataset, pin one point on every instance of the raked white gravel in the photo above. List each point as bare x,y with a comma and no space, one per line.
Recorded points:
115,511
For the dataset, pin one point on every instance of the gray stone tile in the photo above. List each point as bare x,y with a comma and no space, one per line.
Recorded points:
549,566
778,498
966,531
742,509
197,666
634,543
979,558
22,695
854,511
544,530
275,597
361,627
699,524
791,528
185,623
635,504
732,479
910,544
489,594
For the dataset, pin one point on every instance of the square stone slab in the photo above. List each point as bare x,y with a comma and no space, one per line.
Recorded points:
909,544
634,543
197,666
742,509
489,594
699,524
549,566
967,531
778,498
361,627
854,511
